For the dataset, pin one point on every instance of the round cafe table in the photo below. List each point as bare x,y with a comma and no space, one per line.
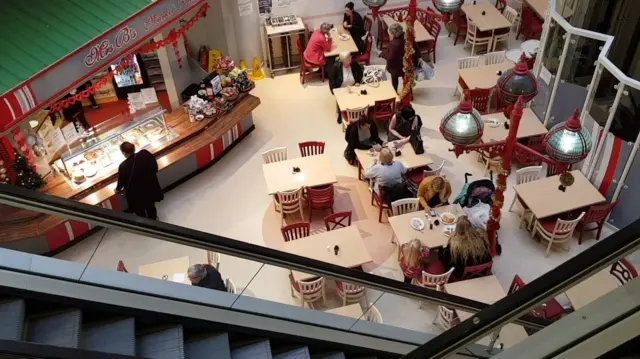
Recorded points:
514,55
530,46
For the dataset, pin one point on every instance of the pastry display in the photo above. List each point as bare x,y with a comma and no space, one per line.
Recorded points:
78,176
230,93
92,155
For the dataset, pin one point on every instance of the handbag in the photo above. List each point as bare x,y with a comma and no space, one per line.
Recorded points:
373,75
416,142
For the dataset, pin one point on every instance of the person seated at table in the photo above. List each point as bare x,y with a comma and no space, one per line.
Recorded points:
353,22
361,135
344,73
206,276
411,256
318,44
394,54
467,246
385,172
434,191
403,124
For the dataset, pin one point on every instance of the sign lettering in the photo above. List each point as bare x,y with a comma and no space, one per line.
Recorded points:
158,18
98,52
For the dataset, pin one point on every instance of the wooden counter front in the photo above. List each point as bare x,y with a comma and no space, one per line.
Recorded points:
192,137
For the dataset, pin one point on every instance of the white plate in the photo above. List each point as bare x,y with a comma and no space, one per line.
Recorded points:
448,214
345,37
530,46
492,122
417,224
371,153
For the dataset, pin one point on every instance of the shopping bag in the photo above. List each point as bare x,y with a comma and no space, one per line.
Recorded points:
424,71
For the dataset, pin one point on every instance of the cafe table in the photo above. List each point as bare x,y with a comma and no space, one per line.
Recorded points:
352,252
338,45
540,7
174,270
544,198
530,126
592,288
352,310
486,17
352,98
408,158
484,77
486,290
421,32
432,238
314,171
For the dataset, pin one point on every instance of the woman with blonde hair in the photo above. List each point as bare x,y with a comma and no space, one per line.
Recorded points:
318,44
410,257
385,172
468,246
434,191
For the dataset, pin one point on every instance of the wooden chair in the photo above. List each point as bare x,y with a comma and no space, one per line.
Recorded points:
377,199
337,219
383,110
595,215
460,20
373,315
309,292
295,231
446,318
406,205
624,271
434,281
231,287
525,175
368,23
121,267
351,115
311,148
290,202
305,66
513,16
551,309
480,99
477,271
493,58
491,164
275,155
556,231
213,259
350,293
321,197
475,37
466,63
429,47
501,5
530,25
517,5
365,57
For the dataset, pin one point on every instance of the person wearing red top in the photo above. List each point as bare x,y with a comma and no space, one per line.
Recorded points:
411,256
318,44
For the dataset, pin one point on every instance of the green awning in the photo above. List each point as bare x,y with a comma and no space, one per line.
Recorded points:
36,33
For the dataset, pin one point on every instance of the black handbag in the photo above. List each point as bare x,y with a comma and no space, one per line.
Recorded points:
416,143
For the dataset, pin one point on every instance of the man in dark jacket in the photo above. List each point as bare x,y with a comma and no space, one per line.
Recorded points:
344,73
137,176
353,22
206,276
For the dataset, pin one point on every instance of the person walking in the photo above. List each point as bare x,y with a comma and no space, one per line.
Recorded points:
138,179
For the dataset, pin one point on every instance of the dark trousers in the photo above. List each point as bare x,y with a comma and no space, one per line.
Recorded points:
82,120
91,98
407,280
394,82
145,209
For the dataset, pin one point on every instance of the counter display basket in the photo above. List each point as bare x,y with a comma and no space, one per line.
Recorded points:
97,157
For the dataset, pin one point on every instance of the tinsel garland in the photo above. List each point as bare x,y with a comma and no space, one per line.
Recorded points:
409,72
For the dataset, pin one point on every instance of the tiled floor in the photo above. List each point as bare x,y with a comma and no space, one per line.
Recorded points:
230,199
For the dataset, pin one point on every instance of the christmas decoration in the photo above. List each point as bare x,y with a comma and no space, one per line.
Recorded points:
26,176
410,38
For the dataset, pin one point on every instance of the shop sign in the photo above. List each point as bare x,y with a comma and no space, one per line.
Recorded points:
103,49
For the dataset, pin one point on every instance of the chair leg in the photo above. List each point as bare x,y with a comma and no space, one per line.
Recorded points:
322,70
600,225
380,213
546,254
580,236
512,203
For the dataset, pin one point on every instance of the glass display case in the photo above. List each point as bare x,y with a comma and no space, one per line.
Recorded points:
92,158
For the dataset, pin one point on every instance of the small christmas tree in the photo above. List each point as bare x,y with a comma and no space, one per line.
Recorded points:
25,175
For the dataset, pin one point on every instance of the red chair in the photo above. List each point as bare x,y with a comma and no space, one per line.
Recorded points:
595,215
320,198
365,58
480,99
429,47
377,200
304,65
383,34
307,34
477,271
624,271
121,267
295,231
335,220
460,20
311,148
383,110
530,26
501,5
551,309
368,23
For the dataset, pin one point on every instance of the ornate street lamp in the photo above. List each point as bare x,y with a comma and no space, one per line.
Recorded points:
462,125
568,142
447,6
375,6
516,82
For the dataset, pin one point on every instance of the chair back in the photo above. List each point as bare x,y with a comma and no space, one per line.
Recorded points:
121,267
275,155
460,19
472,30
350,288
477,271
480,99
295,231
447,318
368,23
312,288
527,17
597,214
511,14
320,195
435,280
528,174
290,201
311,148
516,284
564,228
373,315
623,271
368,45
556,170
337,220
468,62
435,172
213,259
353,114
307,33
384,109
231,287
501,5
496,57
433,28
403,206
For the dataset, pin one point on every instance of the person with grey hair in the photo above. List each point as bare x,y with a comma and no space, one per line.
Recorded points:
344,73
206,276
318,44
394,54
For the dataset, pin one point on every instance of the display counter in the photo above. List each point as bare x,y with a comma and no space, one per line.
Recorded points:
181,147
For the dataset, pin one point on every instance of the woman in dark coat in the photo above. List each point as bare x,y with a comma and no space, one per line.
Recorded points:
353,22
361,135
137,176
394,54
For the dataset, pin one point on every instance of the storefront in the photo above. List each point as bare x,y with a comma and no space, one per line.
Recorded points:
129,66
